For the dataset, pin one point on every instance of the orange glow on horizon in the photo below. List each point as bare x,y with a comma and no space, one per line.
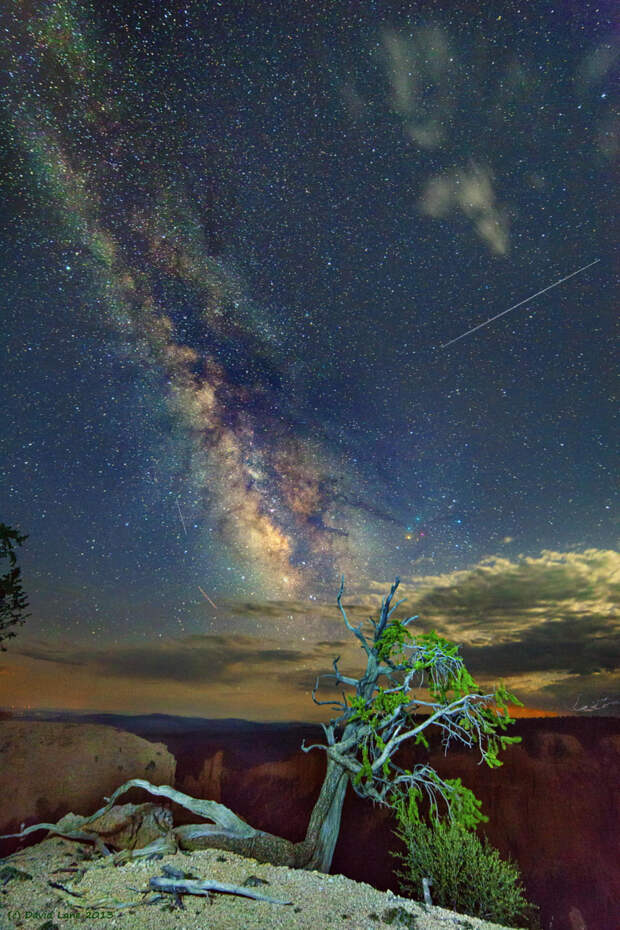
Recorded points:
536,712
521,712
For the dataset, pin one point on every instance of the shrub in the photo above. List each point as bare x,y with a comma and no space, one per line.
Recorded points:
467,874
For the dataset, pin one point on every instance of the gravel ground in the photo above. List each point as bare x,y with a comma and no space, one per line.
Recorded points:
318,901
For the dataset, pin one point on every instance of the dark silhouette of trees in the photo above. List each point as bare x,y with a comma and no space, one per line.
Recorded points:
13,601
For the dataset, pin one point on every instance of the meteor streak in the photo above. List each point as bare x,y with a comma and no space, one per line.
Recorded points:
182,520
537,294
207,596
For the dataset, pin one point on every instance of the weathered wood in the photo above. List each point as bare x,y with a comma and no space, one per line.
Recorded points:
204,887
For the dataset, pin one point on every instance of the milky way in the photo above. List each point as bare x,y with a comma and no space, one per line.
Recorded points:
274,227
125,196
237,245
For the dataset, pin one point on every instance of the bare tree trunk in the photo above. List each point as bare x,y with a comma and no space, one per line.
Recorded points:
227,832
316,851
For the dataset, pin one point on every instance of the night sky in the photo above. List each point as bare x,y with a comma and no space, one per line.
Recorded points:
236,240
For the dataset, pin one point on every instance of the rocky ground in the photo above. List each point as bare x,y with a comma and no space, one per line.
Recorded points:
91,893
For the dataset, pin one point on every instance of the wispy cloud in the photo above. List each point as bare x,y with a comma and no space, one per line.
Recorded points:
425,82
204,659
546,625
420,68
469,190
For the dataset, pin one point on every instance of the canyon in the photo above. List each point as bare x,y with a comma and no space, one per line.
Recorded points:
553,806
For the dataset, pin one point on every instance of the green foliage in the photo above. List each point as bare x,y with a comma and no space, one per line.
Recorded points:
373,712
467,875
13,601
454,681
365,773
461,708
449,682
382,705
463,805
391,641
432,647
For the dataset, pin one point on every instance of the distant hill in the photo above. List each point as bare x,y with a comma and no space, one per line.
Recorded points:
144,724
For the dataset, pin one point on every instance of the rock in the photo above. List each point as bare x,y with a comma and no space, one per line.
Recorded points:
556,747
553,806
576,919
132,826
611,745
208,784
48,769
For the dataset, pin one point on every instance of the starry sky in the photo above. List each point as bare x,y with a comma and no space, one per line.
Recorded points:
243,246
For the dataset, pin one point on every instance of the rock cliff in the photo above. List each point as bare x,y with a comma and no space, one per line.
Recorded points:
48,769
553,806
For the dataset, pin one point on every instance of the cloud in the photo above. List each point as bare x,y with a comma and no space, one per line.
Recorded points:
469,190
565,644
597,69
596,65
420,70
54,652
198,658
204,660
547,625
580,581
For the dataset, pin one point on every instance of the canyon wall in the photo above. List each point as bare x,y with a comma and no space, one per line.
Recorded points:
553,806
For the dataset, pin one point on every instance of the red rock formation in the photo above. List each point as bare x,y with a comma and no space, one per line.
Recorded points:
208,783
48,769
553,807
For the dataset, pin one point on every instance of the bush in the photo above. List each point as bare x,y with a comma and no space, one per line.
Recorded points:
467,875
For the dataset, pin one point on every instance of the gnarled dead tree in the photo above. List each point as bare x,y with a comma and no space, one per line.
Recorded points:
359,748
